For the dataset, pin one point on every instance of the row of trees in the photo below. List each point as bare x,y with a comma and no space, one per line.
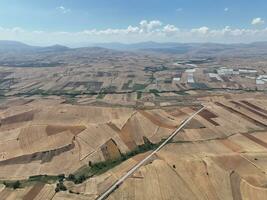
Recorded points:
13,185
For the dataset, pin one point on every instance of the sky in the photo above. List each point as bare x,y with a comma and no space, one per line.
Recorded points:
83,22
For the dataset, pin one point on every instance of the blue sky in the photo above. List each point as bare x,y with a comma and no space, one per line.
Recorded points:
93,21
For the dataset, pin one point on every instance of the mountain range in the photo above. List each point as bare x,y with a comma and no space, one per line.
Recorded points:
14,53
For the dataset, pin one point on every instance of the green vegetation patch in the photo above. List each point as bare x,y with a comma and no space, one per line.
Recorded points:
32,180
155,92
101,96
138,86
139,95
93,169
181,92
168,81
12,184
126,85
105,91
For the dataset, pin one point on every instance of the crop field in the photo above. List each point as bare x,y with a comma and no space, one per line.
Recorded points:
222,151
82,134
69,132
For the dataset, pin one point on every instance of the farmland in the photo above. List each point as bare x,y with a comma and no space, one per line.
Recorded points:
70,130
226,141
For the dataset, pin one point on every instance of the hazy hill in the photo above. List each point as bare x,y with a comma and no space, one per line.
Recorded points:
17,54
14,53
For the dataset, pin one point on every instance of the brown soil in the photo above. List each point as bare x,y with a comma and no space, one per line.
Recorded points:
34,191
255,107
113,127
110,150
22,117
175,113
249,109
194,124
55,129
231,145
43,156
126,136
230,109
208,115
5,193
254,139
155,120
229,163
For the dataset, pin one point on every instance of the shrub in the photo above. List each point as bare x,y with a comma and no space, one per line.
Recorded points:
71,177
61,177
13,185
60,187
80,179
16,185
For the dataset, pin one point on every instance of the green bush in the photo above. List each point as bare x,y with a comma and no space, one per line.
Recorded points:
16,185
139,95
80,179
13,185
60,187
61,177
71,177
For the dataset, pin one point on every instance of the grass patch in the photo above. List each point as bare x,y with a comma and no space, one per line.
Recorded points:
181,92
137,87
168,81
101,96
126,85
155,92
32,180
104,91
139,95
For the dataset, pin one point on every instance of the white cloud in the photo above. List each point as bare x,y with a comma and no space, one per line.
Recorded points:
257,21
170,29
226,9
144,31
63,10
148,26
202,30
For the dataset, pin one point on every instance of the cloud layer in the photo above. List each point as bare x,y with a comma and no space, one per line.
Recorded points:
257,21
145,31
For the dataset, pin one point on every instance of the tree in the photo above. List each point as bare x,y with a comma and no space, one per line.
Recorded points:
61,177
16,185
71,177
60,187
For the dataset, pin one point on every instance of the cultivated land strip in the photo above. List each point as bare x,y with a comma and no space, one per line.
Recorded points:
136,167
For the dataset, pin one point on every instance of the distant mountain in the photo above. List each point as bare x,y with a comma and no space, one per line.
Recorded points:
18,54
6,45
14,46
138,46
54,48
193,49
